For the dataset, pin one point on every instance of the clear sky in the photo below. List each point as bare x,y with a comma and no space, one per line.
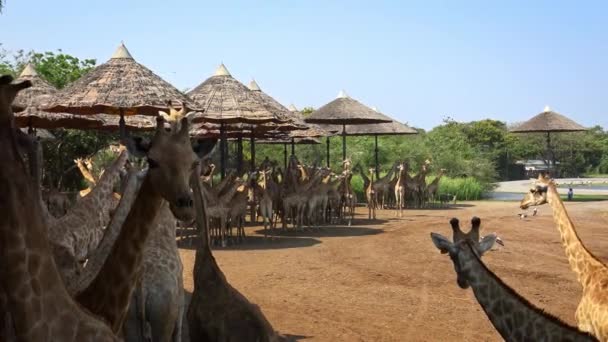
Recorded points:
415,61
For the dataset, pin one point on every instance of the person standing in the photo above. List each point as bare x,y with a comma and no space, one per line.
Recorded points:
570,194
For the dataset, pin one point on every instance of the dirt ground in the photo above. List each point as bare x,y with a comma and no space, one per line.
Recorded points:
385,281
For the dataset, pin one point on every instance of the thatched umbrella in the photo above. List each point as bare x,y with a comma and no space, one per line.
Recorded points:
37,95
121,86
375,130
227,101
548,122
345,110
306,131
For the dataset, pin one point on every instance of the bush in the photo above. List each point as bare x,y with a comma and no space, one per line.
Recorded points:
465,189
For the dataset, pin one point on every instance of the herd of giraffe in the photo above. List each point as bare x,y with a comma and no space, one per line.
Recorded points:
515,318
401,190
109,268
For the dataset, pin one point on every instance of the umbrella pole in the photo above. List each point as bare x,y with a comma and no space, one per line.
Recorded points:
376,153
252,151
293,147
239,155
327,152
343,142
551,155
222,151
253,206
285,155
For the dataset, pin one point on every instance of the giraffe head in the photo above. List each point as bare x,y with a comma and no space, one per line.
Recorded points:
171,160
8,92
459,240
538,192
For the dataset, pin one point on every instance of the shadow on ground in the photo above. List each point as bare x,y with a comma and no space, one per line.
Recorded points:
186,332
253,243
323,231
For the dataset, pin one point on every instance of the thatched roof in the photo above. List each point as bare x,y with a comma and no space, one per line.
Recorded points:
387,128
119,84
224,99
33,117
548,121
132,122
306,130
345,110
37,95
245,133
297,141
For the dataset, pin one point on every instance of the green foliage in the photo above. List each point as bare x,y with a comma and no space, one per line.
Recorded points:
60,69
306,111
59,155
465,189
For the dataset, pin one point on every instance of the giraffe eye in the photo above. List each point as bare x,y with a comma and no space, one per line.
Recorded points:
152,163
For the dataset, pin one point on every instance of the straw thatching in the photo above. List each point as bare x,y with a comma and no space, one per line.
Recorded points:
306,130
345,110
246,132
120,84
548,121
226,100
132,122
32,117
297,141
39,94
387,128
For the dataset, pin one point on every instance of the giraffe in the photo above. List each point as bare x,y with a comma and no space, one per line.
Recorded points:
171,160
382,187
265,198
157,305
318,199
515,318
220,210
592,311
75,235
419,190
370,193
32,290
86,167
400,187
217,311
433,187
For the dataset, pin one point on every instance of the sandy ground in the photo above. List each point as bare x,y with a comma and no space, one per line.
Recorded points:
385,281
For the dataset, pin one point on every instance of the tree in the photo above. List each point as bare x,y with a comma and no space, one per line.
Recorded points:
60,69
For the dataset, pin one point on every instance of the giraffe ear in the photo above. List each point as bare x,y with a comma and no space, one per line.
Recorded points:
486,243
442,243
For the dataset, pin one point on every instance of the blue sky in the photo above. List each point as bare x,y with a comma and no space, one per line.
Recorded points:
416,61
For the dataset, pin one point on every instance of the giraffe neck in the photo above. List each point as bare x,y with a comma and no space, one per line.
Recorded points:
36,297
364,176
109,294
388,176
582,262
512,315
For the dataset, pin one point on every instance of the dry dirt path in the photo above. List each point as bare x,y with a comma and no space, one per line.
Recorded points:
385,281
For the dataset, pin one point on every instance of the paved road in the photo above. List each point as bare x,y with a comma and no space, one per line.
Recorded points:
524,185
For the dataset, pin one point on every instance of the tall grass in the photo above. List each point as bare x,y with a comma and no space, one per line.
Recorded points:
465,189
